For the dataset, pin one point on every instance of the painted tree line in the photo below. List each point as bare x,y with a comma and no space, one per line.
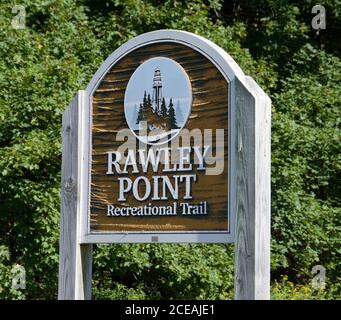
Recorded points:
164,119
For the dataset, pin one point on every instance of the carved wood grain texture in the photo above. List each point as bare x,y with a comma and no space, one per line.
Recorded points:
209,111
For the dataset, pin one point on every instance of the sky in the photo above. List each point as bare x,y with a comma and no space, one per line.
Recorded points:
175,84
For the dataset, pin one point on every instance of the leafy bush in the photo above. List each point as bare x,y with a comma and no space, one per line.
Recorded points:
7,290
287,290
164,271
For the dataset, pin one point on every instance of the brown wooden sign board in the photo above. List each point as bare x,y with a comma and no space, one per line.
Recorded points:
207,210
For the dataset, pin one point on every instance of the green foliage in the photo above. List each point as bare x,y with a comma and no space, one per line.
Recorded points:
63,44
164,271
6,275
287,290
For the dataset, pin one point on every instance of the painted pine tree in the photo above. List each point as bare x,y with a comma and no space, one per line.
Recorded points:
151,116
172,123
142,114
163,115
163,111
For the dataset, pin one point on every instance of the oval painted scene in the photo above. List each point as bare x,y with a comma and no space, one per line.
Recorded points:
157,101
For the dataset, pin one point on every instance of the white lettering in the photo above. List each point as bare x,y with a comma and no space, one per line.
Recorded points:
115,163
123,188
147,189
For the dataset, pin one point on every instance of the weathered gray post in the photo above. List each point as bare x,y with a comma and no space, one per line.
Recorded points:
75,259
252,157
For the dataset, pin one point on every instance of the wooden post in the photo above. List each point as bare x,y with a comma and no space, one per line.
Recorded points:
75,259
252,159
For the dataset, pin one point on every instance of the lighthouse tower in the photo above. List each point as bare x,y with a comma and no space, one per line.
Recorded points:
157,91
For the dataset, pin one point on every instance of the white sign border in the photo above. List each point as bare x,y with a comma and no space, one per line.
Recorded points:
229,69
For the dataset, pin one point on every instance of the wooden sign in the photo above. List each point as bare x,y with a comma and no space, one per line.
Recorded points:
177,91
170,142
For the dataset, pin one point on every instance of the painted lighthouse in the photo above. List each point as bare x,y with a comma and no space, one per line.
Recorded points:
157,91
